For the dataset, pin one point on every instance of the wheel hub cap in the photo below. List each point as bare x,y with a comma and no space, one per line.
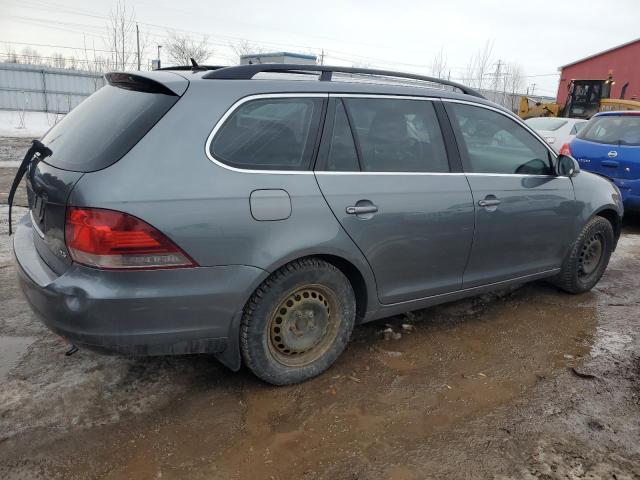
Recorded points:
304,325
590,255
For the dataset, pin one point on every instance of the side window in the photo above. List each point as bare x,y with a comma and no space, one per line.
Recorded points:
342,155
398,135
270,134
496,144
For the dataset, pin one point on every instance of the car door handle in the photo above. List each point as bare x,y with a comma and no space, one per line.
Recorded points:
489,202
361,209
610,163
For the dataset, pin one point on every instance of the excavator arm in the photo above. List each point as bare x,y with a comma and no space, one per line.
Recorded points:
530,108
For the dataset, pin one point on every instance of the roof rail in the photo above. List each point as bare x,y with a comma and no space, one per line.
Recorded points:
190,67
246,72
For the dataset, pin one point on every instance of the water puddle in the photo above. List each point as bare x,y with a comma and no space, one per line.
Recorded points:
450,367
389,400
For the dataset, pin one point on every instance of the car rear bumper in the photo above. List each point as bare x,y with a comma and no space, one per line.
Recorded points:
153,312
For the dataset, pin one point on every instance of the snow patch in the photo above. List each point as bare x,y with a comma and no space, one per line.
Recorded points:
31,125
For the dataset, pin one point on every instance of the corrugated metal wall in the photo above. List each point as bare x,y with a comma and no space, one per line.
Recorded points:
44,89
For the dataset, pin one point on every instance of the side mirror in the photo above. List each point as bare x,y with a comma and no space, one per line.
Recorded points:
568,166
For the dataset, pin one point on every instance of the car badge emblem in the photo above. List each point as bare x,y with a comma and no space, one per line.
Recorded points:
612,154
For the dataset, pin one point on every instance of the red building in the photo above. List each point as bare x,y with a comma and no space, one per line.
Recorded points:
623,62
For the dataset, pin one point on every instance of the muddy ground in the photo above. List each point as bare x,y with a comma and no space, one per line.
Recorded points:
532,383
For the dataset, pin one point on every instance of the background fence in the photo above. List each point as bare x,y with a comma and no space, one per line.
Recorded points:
37,88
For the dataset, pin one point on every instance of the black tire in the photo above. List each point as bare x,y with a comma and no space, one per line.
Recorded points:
582,269
297,322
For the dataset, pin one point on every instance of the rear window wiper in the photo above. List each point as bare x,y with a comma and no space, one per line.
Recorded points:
37,147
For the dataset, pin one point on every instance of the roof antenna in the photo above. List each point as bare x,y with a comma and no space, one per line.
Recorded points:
195,67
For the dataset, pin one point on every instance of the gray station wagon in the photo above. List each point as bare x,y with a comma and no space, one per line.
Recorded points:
259,212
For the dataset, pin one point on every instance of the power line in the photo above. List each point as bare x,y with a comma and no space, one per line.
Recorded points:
57,46
339,55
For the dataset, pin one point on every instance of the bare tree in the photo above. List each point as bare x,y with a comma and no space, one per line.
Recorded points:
478,66
514,83
121,36
439,66
58,60
95,64
31,56
181,48
10,55
244,47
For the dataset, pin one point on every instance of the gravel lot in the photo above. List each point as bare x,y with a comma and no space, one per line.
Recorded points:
531,383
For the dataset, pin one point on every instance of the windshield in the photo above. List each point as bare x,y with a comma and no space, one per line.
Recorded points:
613,129
104,127
545,123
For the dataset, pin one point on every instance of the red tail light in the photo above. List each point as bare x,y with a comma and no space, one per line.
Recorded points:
115,240
565,150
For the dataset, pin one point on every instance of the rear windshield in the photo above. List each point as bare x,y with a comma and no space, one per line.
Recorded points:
542,123
613,130
103,128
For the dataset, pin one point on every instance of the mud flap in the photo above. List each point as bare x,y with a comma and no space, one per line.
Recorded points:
231,357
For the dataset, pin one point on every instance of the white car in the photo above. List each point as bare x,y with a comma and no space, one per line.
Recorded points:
556,131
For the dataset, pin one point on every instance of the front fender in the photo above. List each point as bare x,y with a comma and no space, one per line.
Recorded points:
596,195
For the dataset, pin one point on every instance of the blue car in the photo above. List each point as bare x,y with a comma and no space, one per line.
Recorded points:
609,145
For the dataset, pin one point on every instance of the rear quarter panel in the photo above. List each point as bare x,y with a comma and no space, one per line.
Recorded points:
168,181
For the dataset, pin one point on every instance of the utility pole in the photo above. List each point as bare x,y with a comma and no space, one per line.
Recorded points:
322,57
497,75
138,44
533,87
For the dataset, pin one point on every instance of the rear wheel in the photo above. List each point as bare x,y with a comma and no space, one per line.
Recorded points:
297,322
588,258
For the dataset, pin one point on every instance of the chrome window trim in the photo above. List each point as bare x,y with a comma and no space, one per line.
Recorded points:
382,95
323,172
249,98
523,175
237,105
517,175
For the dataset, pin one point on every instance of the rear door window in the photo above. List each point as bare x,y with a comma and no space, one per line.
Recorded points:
493,143
269,134
104,127
396,135
342,155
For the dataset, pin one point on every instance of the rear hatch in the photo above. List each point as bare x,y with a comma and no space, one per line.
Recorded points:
95,135
610,145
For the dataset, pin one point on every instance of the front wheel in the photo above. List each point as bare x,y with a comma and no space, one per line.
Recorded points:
588,258
297,322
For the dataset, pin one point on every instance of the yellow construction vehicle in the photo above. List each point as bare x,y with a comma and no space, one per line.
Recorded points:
530,108
585,98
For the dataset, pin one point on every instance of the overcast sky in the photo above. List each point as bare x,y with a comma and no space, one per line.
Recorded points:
404,35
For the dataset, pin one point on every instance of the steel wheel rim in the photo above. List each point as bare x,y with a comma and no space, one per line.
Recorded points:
304,325
591,255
